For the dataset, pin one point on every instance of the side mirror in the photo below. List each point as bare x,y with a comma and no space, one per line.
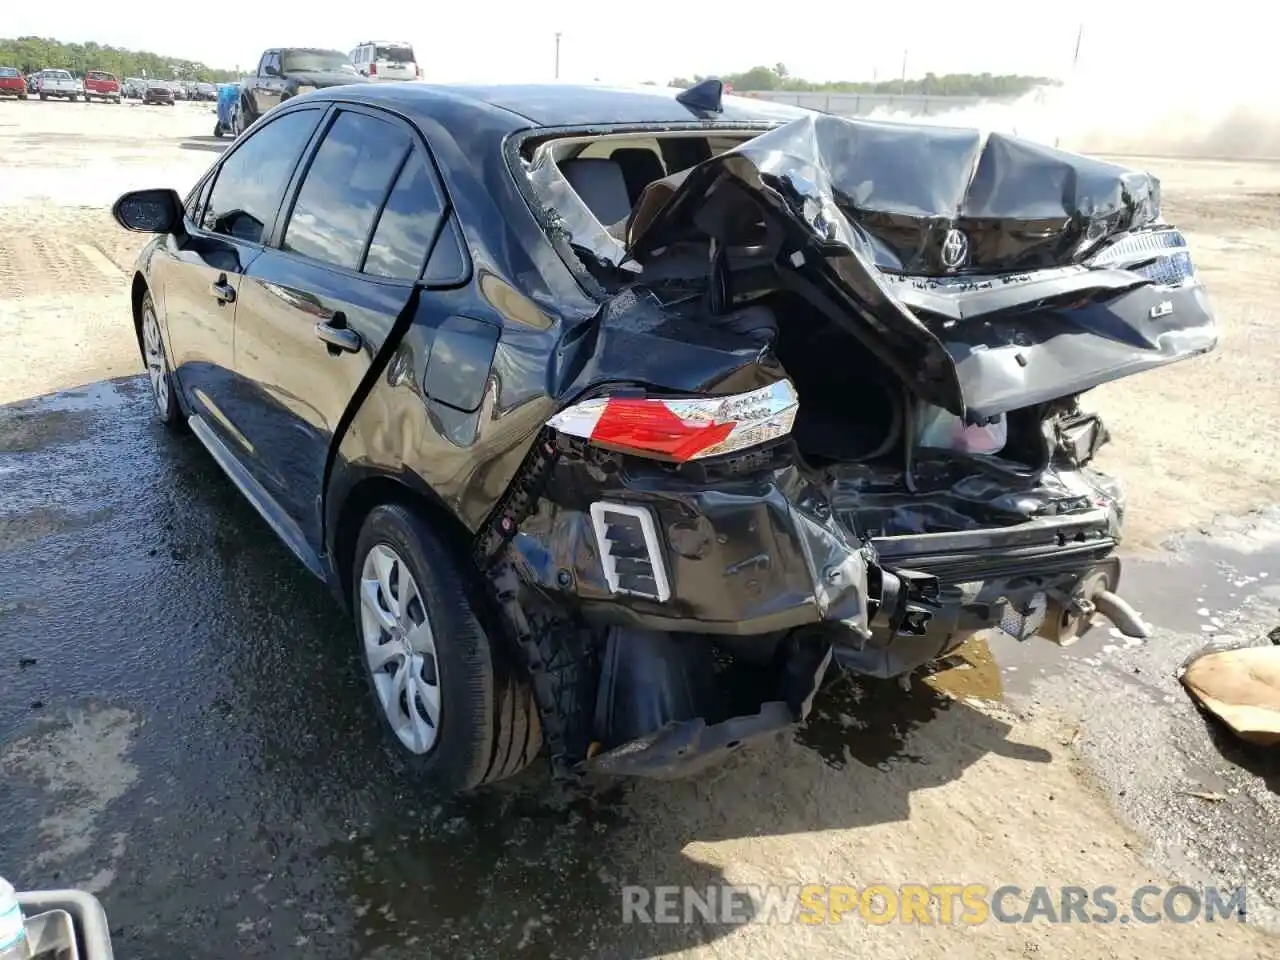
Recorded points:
149,211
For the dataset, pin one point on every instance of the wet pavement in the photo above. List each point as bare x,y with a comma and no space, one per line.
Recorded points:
183,727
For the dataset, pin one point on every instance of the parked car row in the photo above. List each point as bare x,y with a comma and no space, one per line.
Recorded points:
60,85
135,88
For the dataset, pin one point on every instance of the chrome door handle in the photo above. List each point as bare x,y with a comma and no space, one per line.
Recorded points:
341,337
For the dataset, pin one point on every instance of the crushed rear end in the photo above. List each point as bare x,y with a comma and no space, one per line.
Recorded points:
828,413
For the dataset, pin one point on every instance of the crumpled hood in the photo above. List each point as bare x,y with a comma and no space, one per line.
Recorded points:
966,262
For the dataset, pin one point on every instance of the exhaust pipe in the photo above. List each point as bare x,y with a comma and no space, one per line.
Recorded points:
1121,614
1068,616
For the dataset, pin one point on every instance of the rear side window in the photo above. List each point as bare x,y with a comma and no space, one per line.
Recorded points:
408,223
344,188
252,181
8,72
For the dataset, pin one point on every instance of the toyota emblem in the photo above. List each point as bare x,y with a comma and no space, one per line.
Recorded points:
955,250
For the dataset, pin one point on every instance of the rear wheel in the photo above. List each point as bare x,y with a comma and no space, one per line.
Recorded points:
455,709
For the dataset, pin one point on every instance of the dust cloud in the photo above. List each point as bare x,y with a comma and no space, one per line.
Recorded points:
1143,116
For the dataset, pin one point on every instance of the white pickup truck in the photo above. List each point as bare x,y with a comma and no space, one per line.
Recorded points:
59,83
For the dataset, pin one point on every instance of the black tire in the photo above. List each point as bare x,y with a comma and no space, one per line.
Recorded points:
168,407
43,97
488,727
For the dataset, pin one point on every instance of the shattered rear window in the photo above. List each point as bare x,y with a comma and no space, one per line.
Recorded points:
572,218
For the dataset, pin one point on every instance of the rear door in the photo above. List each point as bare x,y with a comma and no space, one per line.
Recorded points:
198,279
318,306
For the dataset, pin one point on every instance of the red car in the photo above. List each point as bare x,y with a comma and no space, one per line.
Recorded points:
13,83
103,86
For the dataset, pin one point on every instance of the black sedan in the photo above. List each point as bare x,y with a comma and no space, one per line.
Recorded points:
616,418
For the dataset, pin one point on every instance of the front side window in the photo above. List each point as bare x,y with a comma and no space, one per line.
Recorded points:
199,196
344,188
253,178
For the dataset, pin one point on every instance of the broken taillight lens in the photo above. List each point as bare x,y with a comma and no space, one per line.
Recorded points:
685,428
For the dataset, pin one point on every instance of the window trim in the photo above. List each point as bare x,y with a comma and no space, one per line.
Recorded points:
212,176
416,144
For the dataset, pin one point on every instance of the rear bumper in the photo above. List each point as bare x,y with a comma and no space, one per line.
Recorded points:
759,556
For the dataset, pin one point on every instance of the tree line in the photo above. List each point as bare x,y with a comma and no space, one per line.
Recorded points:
777,77
29,54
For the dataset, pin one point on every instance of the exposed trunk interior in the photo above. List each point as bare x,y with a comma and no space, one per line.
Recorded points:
860,425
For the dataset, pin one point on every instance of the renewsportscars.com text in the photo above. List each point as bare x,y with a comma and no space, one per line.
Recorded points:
937,903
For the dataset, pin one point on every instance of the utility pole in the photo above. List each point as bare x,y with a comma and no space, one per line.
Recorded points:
557,54
902,84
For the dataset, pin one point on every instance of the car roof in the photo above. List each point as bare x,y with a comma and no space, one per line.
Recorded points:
570,105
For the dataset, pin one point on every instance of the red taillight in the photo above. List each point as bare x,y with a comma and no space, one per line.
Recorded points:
373,69
686,428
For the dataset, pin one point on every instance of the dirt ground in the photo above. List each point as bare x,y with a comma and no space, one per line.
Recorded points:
993,794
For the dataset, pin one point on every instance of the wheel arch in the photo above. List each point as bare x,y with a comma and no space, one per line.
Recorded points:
137,291
346,516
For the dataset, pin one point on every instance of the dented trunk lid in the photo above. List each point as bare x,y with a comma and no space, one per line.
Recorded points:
991,273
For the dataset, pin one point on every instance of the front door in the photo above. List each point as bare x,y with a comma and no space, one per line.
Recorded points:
319,305
200,277
269,84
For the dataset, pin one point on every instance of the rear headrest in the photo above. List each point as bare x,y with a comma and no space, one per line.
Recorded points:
600,184
640,167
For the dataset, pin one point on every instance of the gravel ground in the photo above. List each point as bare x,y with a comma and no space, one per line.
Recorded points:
185,733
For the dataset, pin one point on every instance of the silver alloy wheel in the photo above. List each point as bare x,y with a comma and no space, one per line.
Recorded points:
153,353
400,648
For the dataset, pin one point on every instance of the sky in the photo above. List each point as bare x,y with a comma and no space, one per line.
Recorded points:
514,40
